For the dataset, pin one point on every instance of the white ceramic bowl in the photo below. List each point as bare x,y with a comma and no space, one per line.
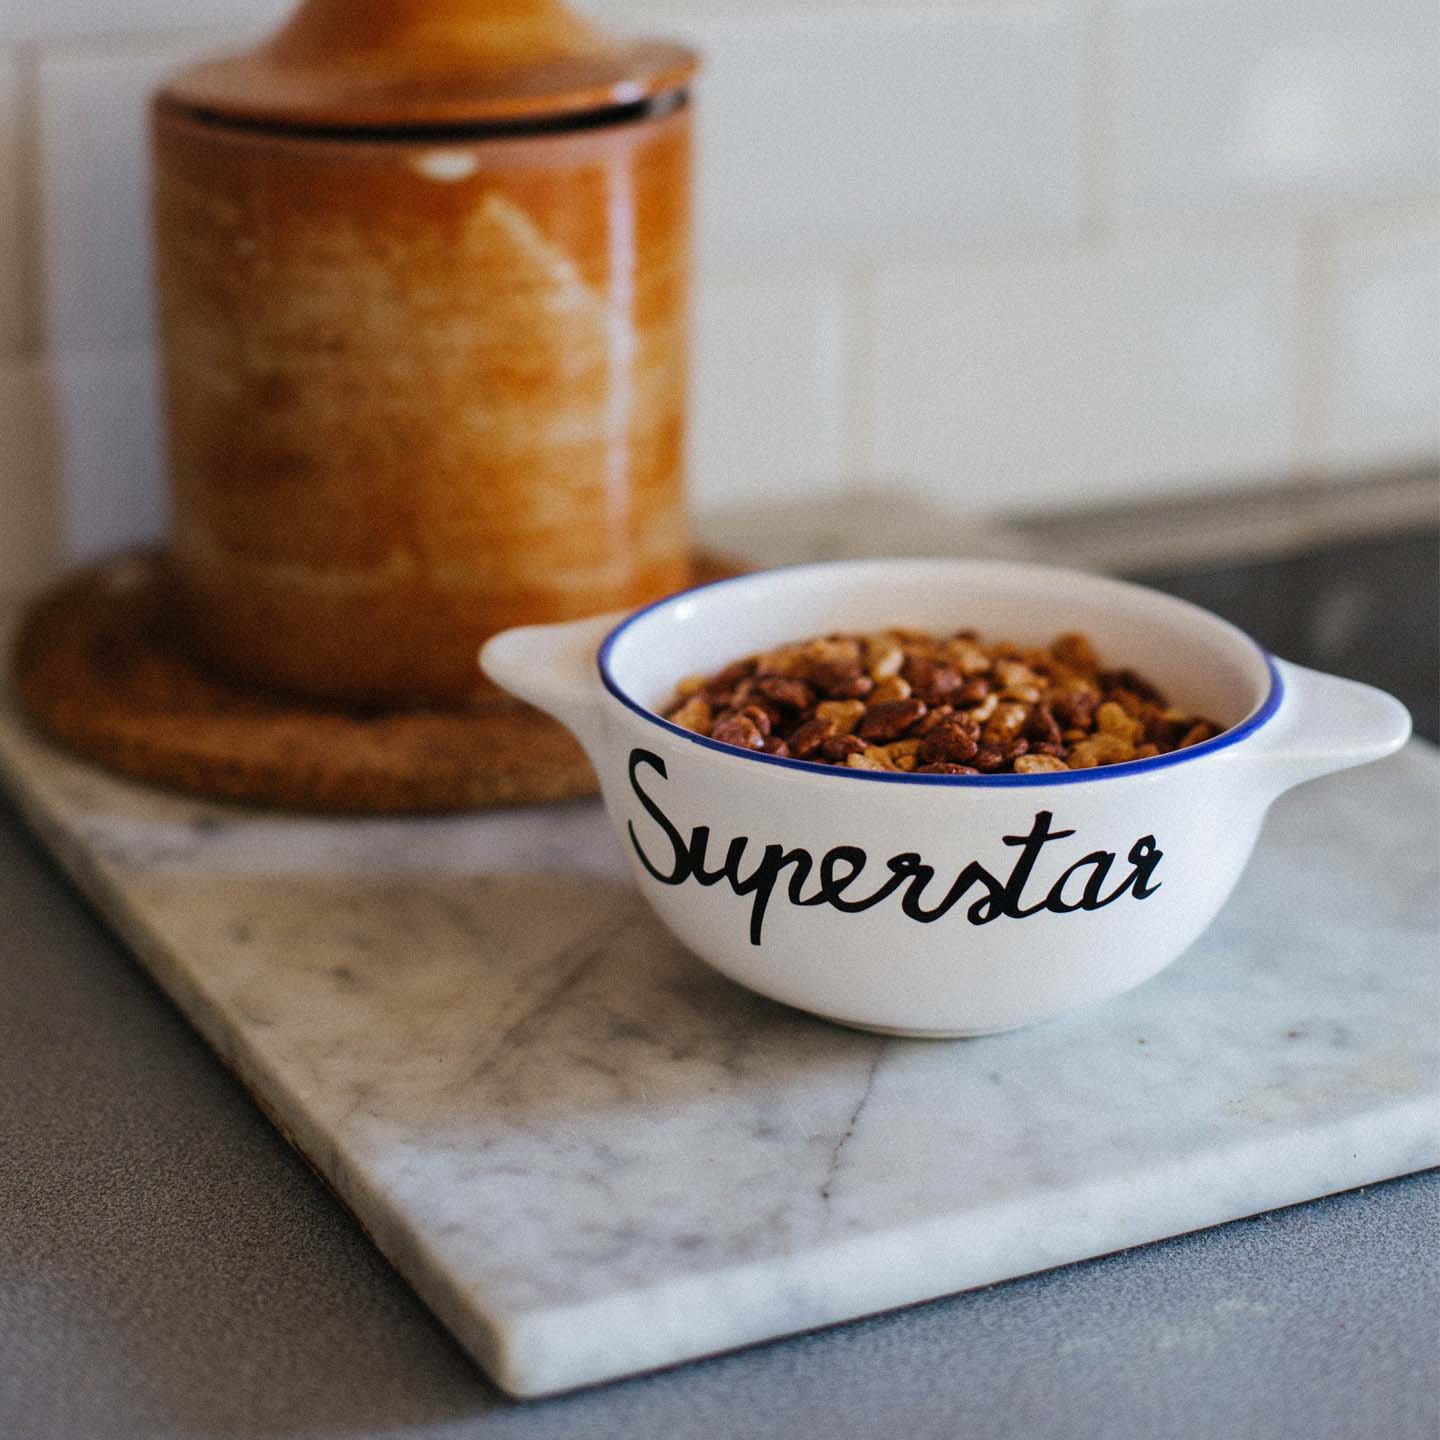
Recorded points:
938,905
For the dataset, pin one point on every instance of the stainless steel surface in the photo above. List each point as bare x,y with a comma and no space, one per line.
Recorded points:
1367,608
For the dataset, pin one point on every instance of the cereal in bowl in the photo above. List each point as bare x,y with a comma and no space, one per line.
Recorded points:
899,700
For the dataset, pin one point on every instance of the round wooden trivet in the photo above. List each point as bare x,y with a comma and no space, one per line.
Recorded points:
98,667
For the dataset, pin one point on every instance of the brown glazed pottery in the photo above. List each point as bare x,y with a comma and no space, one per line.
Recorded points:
423,273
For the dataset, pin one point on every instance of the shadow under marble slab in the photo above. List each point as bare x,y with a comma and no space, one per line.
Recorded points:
592,1156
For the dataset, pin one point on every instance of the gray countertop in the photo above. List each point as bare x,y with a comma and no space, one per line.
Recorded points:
169,1267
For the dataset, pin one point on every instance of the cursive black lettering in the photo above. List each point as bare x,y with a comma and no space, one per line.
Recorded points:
842,866
832,886
1144,856
1009,903
696,855
681,869
981,911
1099,862
761,881
897,878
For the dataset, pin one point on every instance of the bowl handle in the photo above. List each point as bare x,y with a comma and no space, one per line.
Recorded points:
553,668
1325,724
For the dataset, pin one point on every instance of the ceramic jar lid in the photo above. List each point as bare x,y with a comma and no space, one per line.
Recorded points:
403,64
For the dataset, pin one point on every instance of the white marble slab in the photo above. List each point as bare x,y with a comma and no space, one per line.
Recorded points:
591,1156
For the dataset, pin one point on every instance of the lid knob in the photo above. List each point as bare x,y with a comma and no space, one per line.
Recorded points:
396,64
447,32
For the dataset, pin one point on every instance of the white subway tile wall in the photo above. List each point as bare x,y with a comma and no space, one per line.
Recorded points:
770,389
1019,254
95,220
856,137
1384,344
108,424
1030,381
1230,105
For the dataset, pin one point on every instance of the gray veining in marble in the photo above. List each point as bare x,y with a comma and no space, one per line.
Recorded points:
592,1156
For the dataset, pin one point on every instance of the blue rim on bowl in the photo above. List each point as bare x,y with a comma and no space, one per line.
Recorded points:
1248,726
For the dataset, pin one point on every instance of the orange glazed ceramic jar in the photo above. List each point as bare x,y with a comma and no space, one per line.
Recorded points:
423,272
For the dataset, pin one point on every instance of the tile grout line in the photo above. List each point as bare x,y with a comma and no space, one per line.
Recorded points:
31,197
